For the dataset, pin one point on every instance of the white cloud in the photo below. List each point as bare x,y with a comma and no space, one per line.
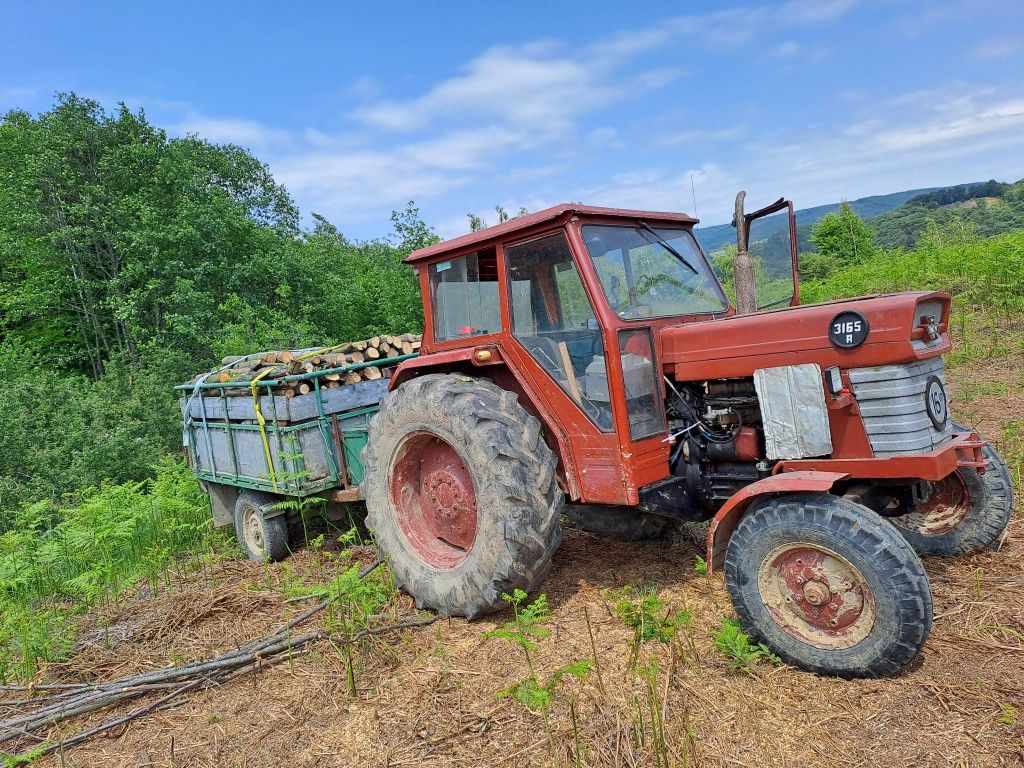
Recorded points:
247,133
702,136
527,86
947,135
996,48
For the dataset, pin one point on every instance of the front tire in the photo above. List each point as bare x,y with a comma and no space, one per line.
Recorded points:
829,586
966,512
461,493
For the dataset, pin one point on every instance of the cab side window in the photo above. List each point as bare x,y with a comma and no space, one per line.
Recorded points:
464,296
553,320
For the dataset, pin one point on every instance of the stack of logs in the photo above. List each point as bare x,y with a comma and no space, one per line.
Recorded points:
277,365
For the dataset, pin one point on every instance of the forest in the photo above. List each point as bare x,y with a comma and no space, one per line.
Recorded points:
130,260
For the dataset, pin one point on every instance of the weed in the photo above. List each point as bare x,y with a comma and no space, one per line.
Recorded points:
106,539
700,566
537,696
526,626
1007,714
353,603
25,758
641,609
733,643
532,692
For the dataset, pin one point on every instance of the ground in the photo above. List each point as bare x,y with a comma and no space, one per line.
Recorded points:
427,696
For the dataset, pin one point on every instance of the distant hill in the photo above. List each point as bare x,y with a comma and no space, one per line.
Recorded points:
713,238
989,208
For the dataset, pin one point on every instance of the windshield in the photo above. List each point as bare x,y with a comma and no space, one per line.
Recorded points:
652,271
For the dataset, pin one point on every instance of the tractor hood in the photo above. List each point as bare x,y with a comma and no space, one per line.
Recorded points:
856,333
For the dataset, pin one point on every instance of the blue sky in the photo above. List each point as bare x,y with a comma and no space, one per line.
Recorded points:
359,107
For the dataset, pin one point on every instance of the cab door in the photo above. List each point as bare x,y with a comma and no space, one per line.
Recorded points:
770,235
558,346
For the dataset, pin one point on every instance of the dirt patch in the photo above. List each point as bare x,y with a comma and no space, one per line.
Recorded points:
428,696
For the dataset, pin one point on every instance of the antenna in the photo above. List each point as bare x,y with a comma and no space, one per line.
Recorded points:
694,193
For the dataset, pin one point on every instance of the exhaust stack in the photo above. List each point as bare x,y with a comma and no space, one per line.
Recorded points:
743,265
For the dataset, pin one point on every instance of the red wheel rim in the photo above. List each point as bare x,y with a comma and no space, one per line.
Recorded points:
816,595
945,509
434,499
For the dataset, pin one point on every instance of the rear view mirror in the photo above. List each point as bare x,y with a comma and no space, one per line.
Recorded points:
771,242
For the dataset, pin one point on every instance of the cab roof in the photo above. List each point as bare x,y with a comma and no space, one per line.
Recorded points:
503,230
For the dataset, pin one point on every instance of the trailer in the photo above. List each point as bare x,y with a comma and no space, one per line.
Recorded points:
257,452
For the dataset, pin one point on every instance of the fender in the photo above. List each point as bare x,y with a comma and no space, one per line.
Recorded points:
724,522
484,355
505,376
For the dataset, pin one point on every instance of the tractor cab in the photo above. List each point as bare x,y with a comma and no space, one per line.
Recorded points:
571,302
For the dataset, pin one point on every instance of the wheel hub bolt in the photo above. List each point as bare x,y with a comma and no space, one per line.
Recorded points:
817,593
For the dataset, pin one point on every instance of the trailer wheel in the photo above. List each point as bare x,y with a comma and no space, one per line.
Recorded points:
624,523
965,513
829,586
461,493
263,539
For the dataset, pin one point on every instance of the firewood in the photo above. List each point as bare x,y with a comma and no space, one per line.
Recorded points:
308,367
356,357
304,388
359,346
372,353
333,377
224,377
352,377
333,384
415,345
286,356
406,347
270,358
374,342
371,374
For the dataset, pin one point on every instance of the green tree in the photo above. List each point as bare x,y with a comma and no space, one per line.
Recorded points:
119,243
843,235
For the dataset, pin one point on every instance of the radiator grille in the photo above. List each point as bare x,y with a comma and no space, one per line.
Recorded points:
891,399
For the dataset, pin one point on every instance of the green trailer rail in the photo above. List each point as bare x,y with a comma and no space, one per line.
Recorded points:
297,446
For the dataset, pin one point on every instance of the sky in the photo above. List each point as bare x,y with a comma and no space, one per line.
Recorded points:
360,107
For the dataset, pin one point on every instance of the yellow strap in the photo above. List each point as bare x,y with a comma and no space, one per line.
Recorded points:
259,413
263,424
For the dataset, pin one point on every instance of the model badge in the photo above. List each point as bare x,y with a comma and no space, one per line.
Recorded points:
935,402
848,329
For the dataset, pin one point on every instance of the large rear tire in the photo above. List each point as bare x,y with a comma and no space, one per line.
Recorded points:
965,513
461,493
829,586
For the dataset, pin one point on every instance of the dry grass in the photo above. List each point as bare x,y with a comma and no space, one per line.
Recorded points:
427,697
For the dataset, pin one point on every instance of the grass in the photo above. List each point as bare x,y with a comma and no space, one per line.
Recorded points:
105,540
737,647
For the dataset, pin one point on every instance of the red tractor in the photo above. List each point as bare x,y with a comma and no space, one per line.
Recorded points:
590,356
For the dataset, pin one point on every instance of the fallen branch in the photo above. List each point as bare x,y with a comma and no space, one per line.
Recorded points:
80,699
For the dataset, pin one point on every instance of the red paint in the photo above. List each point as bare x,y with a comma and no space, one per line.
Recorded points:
748,445
434,500
964,450
608,467
724,522
800,566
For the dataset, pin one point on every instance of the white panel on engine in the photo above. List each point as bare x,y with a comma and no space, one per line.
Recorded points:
793,411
